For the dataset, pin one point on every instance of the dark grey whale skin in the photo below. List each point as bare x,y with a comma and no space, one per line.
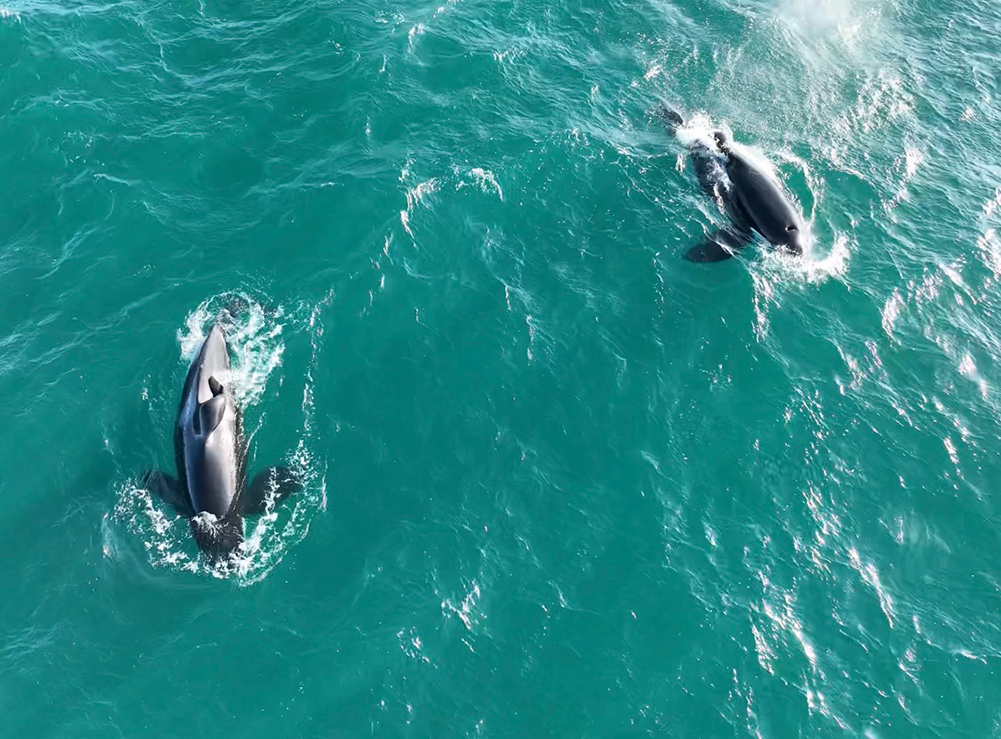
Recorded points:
752,200
210,452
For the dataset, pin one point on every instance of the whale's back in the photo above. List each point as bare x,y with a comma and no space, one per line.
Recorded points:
761,197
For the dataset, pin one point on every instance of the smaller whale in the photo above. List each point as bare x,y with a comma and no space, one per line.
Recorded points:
750,196
210,452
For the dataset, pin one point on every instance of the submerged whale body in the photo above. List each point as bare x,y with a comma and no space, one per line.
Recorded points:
752,199
211,456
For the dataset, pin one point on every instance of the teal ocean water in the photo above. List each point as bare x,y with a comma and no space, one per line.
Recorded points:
559,481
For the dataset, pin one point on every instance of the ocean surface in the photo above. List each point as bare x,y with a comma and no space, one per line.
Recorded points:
559,481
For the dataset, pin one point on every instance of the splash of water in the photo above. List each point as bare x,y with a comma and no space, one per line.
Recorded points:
254,334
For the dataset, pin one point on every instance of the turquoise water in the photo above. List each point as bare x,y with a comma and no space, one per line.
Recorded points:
560,482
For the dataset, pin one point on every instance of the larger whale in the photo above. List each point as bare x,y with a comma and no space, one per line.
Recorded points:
751,197
210,452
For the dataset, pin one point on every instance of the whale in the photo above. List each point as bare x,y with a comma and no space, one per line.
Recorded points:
752,199
210,453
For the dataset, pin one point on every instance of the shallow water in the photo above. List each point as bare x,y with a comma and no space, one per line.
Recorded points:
559,481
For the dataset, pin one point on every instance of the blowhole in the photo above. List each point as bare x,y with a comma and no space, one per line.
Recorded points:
790,228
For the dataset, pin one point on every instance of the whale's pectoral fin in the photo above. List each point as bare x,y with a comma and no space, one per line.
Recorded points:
671,117
718,246
710,250
275,483
169,490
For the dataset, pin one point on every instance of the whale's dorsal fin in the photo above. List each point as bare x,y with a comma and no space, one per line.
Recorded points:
210,412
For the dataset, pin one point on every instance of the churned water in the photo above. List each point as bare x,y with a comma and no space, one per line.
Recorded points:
559,481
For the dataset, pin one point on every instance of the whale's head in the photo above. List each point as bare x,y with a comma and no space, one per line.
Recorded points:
212,361
796,238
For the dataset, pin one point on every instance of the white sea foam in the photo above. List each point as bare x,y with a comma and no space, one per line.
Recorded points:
486,181
254,337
